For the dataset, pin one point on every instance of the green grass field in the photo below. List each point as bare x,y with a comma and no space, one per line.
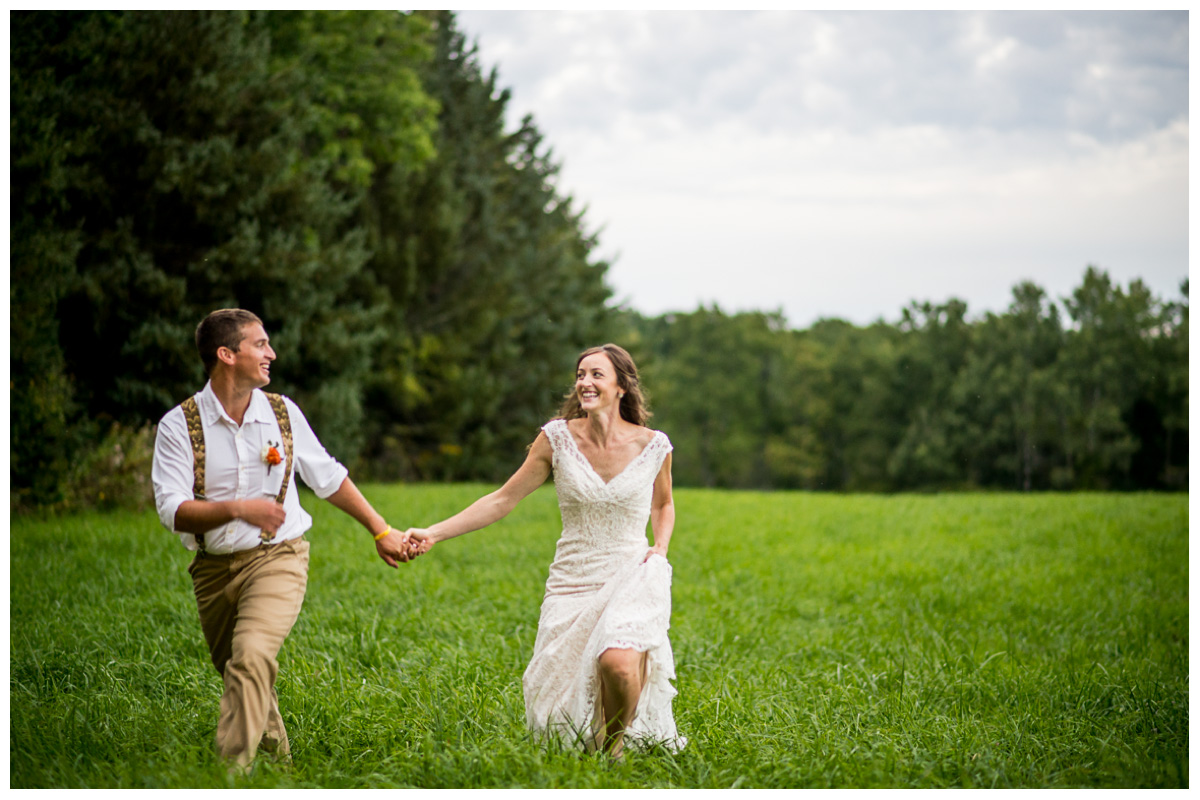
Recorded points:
977,640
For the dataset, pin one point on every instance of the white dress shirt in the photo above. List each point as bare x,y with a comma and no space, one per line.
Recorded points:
235,469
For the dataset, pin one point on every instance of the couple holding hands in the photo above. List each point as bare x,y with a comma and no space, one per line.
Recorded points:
224,465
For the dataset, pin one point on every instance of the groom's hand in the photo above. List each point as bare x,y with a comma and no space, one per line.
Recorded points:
394,548
264,514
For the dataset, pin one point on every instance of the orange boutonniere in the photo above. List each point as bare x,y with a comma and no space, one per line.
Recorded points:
270,455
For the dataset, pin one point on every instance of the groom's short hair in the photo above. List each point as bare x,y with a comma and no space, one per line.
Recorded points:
219,329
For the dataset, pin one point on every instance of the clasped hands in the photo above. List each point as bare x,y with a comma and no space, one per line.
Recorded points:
397,547
401,547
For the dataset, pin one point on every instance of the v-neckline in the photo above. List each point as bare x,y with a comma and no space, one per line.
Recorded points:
592,469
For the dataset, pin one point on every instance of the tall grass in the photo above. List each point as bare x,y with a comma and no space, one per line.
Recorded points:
820,641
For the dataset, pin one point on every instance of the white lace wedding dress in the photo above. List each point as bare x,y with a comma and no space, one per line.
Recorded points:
599,595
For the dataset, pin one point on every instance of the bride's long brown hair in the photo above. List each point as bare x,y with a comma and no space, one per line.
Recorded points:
632,405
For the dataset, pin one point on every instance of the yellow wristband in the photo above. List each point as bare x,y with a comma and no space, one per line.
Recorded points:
386,531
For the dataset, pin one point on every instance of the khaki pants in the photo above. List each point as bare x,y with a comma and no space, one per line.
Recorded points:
248,602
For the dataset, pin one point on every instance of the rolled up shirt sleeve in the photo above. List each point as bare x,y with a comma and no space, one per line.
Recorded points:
321,472
171,472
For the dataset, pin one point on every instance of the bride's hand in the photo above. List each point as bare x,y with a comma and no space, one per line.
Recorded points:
420,541
655,551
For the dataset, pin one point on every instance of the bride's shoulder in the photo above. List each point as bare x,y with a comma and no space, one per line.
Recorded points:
650,435
554,431
658,436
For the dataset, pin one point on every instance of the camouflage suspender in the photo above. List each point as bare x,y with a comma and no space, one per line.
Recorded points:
191,413
285,428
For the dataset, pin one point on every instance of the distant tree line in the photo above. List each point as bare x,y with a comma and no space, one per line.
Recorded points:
348,177
1027,399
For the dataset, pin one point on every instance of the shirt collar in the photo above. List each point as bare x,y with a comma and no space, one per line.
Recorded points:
259,409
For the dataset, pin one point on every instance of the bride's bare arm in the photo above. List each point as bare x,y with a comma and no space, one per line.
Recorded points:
494,506
662,510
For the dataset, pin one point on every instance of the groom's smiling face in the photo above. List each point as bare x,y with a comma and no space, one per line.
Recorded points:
252,359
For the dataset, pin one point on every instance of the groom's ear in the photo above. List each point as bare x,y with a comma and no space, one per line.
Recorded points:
226,356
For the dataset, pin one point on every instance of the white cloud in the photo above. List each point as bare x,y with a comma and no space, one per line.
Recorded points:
842,164
858,225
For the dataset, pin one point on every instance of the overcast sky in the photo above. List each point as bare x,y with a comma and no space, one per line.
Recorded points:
842,164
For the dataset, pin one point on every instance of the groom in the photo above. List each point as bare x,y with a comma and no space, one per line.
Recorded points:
224,480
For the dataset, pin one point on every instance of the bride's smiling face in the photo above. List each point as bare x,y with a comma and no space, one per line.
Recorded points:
596,383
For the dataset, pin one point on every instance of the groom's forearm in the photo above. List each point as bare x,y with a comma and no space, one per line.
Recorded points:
350,500
201,516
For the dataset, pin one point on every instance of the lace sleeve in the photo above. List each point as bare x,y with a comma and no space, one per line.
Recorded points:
662,445
555,429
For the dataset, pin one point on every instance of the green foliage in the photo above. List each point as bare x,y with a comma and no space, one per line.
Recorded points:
188,184
357,81
43,248
495,276
1011,390
1105,357
966,640
854,369
1017,400
934,347
114,473
345,175
715,387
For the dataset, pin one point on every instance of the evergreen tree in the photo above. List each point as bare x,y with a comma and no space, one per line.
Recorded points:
866,415
936,344
1011,395
165,165
495,279
1104,362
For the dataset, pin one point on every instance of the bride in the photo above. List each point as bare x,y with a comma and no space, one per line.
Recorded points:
602,662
